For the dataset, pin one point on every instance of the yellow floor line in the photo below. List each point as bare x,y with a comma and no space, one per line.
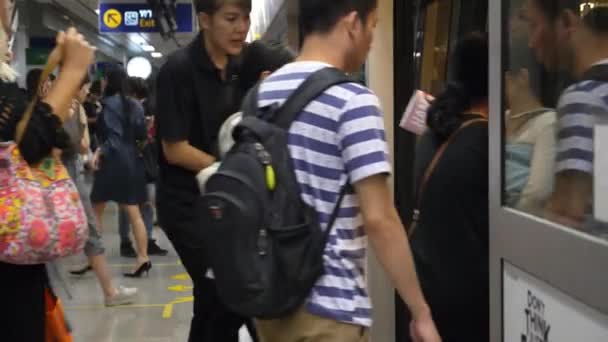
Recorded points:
168,311
131,265
181,276
100,306
167,308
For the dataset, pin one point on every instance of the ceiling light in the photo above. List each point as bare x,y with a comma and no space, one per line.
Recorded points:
148,48
156,55
139,67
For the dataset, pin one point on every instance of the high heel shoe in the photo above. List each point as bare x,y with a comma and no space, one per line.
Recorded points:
82,271
144,268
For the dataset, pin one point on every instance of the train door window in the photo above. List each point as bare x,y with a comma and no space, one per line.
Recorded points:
435,45
556,111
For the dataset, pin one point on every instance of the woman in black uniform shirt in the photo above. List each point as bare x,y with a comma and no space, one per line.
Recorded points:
22,287
450,244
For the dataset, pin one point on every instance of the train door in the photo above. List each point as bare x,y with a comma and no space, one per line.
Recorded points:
424,33
548,271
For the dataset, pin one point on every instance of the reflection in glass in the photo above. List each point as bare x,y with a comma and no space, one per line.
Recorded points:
530,124
551,153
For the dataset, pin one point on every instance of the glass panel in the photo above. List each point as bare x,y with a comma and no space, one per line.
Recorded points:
435,50
556,106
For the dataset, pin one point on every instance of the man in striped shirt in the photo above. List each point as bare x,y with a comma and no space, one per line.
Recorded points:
339,138
572,36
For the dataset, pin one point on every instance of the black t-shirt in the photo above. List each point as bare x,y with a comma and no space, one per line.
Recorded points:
450,244
193,101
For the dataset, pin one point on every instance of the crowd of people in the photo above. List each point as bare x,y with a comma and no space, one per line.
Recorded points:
156,154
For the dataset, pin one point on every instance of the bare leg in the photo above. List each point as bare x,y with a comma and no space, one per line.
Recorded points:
113,296
99,208
139,233
100,267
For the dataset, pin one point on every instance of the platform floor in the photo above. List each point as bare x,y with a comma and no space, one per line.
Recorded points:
161,313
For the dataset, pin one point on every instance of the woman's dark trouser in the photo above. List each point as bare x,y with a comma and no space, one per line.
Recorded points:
212,321
22,317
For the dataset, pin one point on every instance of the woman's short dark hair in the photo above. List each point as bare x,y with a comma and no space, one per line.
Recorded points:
118,84
467,85
595,18
320,16
212,6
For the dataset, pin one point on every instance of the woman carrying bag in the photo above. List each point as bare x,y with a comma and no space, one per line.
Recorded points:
24,287
449,235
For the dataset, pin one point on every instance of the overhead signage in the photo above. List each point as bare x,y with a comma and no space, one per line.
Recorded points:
534,311
134,18
36,56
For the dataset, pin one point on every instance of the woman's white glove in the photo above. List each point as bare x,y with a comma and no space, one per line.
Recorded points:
203,176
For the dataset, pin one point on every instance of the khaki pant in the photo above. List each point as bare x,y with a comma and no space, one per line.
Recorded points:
304,327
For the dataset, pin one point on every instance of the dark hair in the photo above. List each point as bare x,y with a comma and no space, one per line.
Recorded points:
32,82
259,57
118,84
596,19
519,55
320,16
467,85
212,6
138,87
96,88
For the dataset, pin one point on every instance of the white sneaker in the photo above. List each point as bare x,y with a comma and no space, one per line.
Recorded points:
125,295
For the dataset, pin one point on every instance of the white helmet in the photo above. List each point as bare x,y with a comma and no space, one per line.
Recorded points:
225,143
225,140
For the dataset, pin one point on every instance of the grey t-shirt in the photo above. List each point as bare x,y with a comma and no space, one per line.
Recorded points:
75,130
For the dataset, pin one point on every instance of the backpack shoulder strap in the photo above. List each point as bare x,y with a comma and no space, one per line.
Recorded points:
312,88
596,73
250,103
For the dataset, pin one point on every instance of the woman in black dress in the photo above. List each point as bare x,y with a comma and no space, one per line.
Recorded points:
120,175
450,244
23,287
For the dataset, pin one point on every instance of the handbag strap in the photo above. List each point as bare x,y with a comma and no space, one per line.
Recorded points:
433,164
51,64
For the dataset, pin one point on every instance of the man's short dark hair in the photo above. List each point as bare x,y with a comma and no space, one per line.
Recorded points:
138,87
260,57
320,16
595,18
212,6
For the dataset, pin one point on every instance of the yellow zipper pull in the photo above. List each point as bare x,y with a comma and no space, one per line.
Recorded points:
271,181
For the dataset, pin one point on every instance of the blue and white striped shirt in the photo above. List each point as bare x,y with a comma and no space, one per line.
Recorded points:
338,136
578,108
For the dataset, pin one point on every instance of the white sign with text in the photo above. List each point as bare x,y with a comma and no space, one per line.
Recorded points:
537,312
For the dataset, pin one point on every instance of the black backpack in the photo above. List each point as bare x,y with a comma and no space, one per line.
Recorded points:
263,243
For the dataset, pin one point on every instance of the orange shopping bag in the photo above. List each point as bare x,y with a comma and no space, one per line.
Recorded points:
57,328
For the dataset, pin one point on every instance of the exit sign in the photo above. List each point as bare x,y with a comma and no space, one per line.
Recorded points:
133,18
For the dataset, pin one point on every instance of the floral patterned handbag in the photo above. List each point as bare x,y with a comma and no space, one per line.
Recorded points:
41,215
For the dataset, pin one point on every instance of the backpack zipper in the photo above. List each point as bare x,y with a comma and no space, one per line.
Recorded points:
263,242
266,160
